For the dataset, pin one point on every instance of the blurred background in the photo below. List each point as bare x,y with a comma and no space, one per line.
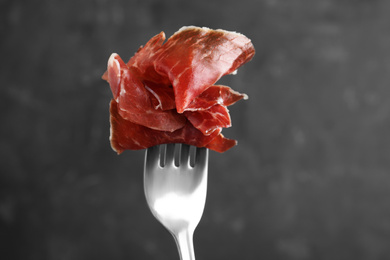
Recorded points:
309,179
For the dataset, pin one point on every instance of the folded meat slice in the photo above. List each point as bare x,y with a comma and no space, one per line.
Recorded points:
221,144
134,102
214,95
208,111
126,135
195,58
162,97
143,61
207,121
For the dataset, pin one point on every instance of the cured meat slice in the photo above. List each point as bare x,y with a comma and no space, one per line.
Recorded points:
162,97
207,121
195,58
126,135
165,93
143,61
221,144
216,94
134,101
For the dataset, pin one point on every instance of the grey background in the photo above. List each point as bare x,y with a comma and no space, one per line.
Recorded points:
309,179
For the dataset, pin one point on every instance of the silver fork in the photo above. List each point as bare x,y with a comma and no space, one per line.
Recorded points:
176,194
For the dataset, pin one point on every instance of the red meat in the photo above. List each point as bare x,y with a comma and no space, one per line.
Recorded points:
134,101
207,121
214,95
166,94
195,58
126,135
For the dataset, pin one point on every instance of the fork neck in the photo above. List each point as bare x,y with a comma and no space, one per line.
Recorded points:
185,245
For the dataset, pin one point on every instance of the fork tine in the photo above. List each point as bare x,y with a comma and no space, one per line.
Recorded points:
201,156
152,155
185,154
170,154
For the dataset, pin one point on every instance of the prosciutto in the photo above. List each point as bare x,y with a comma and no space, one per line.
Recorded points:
166,93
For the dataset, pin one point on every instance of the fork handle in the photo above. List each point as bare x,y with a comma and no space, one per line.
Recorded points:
185,244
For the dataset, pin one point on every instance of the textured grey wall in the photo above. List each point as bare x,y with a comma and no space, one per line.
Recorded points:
310,178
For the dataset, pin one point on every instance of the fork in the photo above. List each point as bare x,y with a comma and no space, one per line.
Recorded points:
175,190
